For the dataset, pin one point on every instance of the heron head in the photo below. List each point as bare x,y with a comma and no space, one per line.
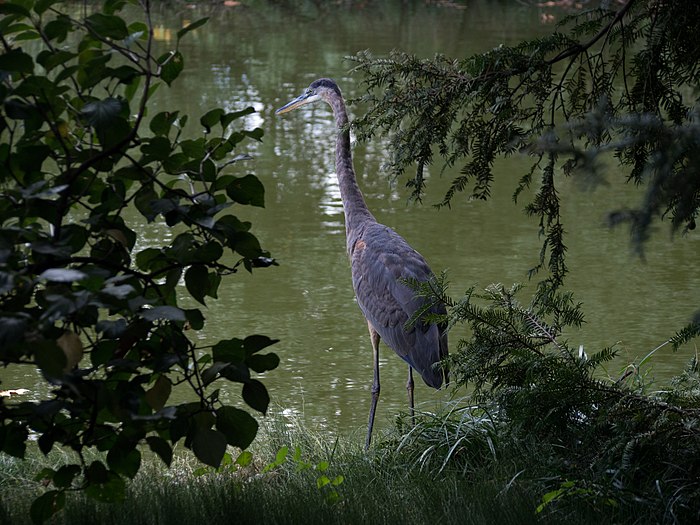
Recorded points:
320,89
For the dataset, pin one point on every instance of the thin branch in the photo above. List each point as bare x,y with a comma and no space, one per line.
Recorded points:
579,48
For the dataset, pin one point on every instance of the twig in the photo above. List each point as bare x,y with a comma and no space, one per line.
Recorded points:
579,48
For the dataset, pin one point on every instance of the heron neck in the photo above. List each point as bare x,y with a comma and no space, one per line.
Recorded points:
356,212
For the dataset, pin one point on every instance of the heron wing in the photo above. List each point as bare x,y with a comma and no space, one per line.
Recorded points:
381,260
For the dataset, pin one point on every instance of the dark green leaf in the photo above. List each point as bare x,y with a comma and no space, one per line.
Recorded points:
109,26
103,353
162,448
239,427
171,65
230,117
197,282
158,394
65,475
13,439
125,74
51,59
256,396
174,164
214,282
191,27
229,351
114,135
255,134
20,110
104,485
12,329
46,442
50,358
47,505
14,9
263,362
156,148
247,245
211,118
143,200
209,252
195,318
255,343
236,372
194,148
16,61
131,88
124,460
211,373
58,28
209,446
41,6
162,122
112,6
247,190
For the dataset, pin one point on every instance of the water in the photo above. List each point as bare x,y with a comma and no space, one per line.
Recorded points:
264,55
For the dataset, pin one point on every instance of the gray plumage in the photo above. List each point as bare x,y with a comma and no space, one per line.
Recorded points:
380,261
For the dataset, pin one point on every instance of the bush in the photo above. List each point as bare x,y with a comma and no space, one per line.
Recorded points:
98,314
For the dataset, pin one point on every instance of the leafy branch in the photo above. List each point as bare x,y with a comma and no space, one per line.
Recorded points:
98,316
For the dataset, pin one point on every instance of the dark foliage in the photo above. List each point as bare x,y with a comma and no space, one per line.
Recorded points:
82,298
620,80
615,84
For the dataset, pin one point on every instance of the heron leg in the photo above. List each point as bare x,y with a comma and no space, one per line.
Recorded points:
374,337
409,389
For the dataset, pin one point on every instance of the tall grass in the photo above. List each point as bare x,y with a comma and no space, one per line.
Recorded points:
323,479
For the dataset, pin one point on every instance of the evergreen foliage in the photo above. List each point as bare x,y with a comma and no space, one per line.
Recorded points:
619,79
617,83
546,408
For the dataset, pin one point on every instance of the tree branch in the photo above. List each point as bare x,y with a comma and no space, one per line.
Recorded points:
580,48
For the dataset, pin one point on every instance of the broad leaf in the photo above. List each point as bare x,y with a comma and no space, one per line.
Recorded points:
191,27
124,461
162,448
50,358
109,26
211,118
255,343
230,117
64,476
209,446
102,113
247,190
256,396
239,427
104,485
16,61
158,394
263,362
47,505
171,65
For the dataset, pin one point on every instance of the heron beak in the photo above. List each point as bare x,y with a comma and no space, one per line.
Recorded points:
301,100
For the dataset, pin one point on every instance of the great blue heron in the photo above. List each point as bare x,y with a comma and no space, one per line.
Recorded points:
381,263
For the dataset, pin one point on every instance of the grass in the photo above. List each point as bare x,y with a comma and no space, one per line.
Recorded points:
298,476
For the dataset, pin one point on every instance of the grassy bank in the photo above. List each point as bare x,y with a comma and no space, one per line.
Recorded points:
297,476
